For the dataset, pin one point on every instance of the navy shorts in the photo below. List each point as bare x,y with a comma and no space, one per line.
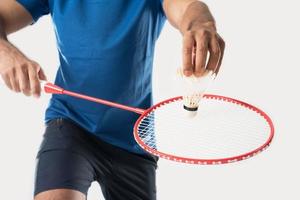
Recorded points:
71,158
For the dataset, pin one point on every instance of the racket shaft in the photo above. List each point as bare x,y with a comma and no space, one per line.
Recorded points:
53,89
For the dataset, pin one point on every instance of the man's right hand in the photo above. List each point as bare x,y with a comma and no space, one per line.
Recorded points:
19,73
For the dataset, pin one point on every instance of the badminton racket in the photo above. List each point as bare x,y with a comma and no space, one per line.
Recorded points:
225,130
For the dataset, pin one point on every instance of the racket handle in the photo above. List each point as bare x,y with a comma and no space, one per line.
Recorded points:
51,88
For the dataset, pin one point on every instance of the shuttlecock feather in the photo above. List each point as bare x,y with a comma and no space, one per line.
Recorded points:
193,89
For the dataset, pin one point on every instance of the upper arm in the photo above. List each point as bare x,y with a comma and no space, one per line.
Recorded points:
14,16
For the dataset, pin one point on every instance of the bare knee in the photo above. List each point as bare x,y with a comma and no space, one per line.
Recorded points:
60,194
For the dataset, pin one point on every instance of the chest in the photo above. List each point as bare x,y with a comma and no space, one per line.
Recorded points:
103,13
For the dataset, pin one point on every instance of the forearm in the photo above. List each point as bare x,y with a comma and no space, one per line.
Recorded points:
182,14
5,45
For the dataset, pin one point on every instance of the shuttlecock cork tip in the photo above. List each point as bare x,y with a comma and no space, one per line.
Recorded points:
190,111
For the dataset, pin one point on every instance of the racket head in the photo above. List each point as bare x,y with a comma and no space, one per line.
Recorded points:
145,128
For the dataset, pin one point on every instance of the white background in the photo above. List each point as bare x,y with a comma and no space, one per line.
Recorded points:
261,66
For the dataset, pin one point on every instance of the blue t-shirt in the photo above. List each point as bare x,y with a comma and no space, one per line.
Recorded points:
106,50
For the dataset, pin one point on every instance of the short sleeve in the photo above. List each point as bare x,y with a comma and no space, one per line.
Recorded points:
161,7
37,8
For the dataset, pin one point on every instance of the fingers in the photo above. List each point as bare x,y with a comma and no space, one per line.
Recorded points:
188,48
222,47
215,54
13,82
19,73
35,86
15,85
203,51
42,75
7,81
25,79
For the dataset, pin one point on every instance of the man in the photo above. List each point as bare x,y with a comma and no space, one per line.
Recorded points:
106,50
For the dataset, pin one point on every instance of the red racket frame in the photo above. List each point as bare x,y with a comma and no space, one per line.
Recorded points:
206,161
53,89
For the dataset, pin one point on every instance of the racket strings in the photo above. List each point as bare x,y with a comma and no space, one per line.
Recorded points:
220,129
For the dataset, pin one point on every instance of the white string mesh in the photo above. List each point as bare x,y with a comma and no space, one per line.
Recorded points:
219,130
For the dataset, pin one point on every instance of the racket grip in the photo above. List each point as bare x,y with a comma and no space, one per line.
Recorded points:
50,88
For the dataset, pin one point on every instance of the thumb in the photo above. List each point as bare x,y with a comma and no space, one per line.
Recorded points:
42,75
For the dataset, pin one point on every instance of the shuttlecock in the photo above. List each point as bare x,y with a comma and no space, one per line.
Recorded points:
193,89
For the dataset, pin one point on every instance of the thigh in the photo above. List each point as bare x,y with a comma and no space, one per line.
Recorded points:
62,161
60,194
133,178
61,169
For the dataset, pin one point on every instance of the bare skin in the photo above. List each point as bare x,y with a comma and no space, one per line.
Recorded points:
60,194
21,74
201,42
